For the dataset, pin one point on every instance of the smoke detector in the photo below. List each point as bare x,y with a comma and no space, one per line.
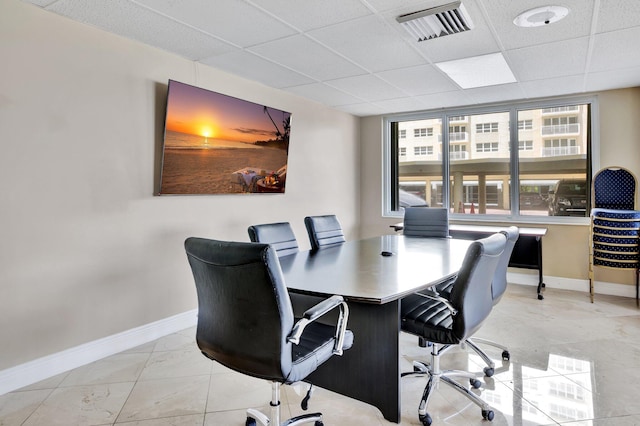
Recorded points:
541,16
439,21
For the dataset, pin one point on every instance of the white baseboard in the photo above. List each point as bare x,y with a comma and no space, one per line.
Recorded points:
34,371
600,287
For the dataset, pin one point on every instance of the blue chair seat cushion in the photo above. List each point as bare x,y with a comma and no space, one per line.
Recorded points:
613,232
614,264
615,214
607,248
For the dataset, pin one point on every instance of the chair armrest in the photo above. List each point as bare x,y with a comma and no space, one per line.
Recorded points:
316,312
440,299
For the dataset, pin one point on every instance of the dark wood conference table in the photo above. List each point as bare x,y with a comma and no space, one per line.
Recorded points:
373,285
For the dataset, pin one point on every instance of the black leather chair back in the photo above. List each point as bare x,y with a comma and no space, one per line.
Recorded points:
279,235
499,284
471,295
324,231
426,222
244,311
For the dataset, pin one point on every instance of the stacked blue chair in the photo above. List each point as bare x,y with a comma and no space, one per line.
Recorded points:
615,224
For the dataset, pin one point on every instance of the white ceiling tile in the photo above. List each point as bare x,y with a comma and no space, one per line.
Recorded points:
618,14
503,12
362,110
445,100
400,105
406,6
504,92
310,14
234,21
370,42
419,80
549,60
307,57
477,41
138,23
554,86
247,65
613,79
367,87
617,49
324,94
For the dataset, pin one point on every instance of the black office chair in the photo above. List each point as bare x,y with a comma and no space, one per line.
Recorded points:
445,322
279,235
245,320
432,222
324,231
498,287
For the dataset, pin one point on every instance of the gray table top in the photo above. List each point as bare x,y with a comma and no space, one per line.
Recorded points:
358,271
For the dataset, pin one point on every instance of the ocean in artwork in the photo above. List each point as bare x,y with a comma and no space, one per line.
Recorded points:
193,166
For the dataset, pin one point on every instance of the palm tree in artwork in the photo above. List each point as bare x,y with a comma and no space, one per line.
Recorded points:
286,128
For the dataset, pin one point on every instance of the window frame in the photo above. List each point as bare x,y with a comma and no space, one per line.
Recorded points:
445,115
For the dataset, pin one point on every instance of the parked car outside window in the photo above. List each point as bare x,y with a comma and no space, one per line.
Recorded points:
569,198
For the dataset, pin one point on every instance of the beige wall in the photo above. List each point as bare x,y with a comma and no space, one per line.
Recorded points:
87,251
566,247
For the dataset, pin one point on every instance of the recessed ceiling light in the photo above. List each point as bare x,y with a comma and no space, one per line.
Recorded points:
541,16
478,71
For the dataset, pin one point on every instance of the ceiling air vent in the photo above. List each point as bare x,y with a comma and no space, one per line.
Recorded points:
437,21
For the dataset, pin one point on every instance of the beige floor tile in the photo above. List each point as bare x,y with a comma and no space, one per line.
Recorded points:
180,363
114,369
16,407
81,405
161,398
191,420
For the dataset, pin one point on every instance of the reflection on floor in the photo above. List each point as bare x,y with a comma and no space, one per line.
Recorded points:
572,363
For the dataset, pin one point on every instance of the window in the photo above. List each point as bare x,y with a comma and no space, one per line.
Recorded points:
422,150
421,133
403,134
525,145
525,124
486,128
504,169
487,147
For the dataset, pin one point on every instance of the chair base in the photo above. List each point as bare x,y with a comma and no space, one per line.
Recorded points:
255,417
490,369
436,375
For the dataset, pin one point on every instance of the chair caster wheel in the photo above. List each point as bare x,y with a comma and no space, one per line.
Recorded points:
506,356
426,420
250,422
319,423
540,297
488,371
475,383
487,414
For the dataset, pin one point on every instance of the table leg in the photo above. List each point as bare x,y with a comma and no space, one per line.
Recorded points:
370,370
540,278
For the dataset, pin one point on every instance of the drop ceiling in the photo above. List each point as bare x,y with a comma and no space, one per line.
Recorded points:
353,56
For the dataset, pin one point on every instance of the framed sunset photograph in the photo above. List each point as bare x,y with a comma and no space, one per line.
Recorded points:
218,144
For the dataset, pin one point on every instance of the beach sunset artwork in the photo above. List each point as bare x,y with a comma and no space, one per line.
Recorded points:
218,144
